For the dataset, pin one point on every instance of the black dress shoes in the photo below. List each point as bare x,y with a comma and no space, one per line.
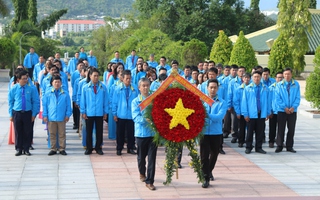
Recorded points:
31,148
211,177
88,152
261,151
99,151
271,144
131,151
205,184
240,145
225,135
221,151
28,153
63,152
248,151
51,153
278,149
18,153
234,140
292,150
179,165
119,152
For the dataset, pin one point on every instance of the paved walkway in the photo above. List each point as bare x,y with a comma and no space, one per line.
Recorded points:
237,175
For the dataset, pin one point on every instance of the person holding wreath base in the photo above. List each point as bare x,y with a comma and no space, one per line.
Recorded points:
210,143
144,137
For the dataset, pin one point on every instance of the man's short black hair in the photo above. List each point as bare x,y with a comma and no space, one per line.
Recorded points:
187,67
55,77
22,73
287,69
257,72
213,80
213,69
126,72
174,62
234,66
162,68
266,69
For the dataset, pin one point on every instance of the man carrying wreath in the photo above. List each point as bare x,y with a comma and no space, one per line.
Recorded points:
144,137
210,143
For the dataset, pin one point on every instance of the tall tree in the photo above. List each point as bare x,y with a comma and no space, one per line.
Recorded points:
4,10
313,4
243,54
280,56
32,12
312,92
294,20
194,51
20,10
221,49
254,5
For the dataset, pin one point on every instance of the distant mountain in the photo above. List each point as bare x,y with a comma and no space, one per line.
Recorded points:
273,14
84,8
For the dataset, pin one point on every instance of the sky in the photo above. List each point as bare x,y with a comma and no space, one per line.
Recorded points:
270,4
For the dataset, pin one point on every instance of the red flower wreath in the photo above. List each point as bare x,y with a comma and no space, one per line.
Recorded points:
161,119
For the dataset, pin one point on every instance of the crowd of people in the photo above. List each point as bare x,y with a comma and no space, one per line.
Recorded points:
242,103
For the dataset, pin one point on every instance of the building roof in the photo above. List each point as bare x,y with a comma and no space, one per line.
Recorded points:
81,22
258,39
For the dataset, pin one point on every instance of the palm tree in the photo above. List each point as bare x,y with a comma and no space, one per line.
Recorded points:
4,10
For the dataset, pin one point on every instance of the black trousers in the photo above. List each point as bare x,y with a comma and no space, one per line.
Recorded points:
125,126
209,151
23,129
99,132
289,120
180,155
146,147
273,122
242,130
255,125
76,115
30,72
235,124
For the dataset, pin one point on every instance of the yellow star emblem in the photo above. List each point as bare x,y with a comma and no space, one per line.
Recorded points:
179,115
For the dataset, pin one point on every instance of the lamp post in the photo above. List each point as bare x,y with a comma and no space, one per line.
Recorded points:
20,45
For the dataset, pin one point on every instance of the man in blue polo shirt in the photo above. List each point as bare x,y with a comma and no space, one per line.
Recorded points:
287,99
24,105
144,137
255,108
121,109
210,143
30,60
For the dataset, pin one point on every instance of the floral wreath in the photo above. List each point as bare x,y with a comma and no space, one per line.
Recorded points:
178,117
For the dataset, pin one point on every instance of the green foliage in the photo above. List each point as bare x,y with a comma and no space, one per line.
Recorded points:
280,55
313,4
254,5
67,41
20,10
51,20
7,53
44,47
173,52
293,21
4,10
312,92
32,12
98,45
198,19
221,49
194,51
243,54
